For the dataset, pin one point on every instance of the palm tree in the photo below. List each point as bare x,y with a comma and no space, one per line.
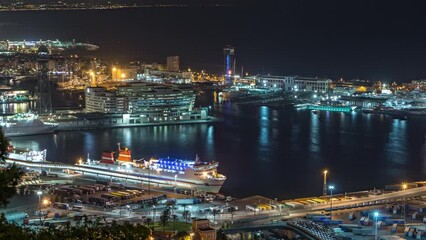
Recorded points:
165,217
215,212
174,217
186,215
149,222
231,210
184,206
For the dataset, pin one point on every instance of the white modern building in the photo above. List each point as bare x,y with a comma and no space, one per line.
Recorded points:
145,102
293,83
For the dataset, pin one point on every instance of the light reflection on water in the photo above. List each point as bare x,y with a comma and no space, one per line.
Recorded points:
261,155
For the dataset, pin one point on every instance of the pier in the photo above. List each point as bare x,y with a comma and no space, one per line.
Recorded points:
125,175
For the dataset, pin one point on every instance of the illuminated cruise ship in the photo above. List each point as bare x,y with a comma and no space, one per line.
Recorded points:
182,174
196,176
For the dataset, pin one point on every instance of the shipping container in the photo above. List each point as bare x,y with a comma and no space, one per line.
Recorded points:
311,215
59,205
364,213
349,227
418,216
390,221
331,222
319,218
417,208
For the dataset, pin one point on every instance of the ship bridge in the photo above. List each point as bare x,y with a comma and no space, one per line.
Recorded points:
172,164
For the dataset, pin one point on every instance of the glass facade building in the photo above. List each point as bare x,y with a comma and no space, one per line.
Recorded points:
145,102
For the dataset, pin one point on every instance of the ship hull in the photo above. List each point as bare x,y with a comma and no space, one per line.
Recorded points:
187,180
25,131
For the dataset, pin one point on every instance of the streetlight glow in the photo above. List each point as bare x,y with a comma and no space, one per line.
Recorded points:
403,213
331,187
324,188
376,214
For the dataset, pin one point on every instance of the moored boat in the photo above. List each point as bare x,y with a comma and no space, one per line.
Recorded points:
171,172
26,124
333,108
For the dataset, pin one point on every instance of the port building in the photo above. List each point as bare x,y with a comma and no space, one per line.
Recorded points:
142,102
293,83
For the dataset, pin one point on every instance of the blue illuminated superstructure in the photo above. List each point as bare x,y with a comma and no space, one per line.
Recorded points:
172,164
229,52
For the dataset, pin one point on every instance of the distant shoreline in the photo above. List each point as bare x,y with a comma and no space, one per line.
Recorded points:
112,7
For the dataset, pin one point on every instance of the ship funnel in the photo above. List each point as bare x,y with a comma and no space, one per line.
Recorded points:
124,155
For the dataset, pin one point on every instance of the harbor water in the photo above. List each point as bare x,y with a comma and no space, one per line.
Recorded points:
273,152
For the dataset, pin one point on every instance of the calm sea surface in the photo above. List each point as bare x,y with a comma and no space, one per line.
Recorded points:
273,152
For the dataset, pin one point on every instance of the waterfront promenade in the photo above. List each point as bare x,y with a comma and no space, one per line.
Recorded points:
95,125
350,200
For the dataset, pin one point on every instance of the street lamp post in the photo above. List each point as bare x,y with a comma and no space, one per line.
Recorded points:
404,187
324,190
153,214
331,202
39,193
376,215
149,177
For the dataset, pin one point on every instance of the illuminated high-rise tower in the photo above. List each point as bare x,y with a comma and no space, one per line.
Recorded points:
173,64
229,63
44,103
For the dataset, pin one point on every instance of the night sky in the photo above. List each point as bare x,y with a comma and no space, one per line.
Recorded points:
365,39
378,40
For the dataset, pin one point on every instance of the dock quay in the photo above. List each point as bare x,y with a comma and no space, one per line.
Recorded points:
322,203
109,174
68,120
96,125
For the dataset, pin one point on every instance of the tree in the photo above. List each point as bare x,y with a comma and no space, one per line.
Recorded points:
186,215
182,235
174,217
165,217
4,145
184,206
12,231
113,231
215,212
10,176
149,222
231,210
